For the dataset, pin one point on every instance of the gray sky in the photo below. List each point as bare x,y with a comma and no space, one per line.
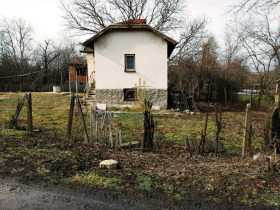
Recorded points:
44,15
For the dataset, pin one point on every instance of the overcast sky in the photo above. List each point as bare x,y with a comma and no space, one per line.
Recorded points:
44,15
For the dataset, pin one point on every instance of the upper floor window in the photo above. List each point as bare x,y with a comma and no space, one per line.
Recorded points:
129,63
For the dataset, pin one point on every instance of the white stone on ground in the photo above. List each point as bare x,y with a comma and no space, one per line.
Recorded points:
110,164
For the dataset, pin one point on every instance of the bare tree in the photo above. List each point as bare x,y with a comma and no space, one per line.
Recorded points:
91,16
54,59
16,37
193,34
260,39
231,47
247,5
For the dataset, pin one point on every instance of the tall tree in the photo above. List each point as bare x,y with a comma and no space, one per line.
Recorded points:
91,16
16,37
260,38
248,5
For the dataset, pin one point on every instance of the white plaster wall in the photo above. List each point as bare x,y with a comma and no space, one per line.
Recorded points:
90,66
150,59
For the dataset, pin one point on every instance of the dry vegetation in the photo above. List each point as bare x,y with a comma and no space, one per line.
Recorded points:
226,180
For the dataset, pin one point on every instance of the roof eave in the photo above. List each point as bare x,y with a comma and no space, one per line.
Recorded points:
86,51
123,26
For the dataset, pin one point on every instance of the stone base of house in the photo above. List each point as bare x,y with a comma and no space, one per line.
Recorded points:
115,97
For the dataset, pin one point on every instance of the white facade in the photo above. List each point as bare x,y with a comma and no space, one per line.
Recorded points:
109,56
91,67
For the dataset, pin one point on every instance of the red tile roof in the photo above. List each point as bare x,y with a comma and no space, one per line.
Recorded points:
137,21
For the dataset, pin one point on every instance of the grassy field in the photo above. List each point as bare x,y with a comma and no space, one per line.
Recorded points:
224,179
50,114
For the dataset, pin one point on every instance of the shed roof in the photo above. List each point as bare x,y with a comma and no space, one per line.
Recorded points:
128,26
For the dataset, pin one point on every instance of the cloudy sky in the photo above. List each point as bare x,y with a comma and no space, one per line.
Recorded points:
44,15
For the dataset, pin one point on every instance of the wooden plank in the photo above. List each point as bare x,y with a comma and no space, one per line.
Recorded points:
14,117
110,130
70,117
80,111
245,146
117,137
29,112
130,144
120,136
91,120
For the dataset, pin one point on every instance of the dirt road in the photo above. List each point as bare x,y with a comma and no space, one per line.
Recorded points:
14,195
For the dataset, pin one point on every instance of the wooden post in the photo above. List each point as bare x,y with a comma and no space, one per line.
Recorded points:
117,137
226,102
203,139
91,120
29,112
148,125
96,126
245,146
77,91
80,111
218,126
70,117
277,96
110,130
70,84
187,146
120,136
251,97
14,117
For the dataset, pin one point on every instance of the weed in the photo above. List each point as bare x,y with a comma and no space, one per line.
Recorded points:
14,133
91,178
145,183
38,147
42,170
209,187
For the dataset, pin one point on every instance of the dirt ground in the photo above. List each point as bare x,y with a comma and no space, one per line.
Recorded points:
43,170
15,195
60,174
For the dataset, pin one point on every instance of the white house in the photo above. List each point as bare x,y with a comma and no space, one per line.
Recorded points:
121,54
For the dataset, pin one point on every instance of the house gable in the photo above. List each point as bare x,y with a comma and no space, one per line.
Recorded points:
149,51
89,46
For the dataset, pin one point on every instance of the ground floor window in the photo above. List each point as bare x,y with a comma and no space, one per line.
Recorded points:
130,94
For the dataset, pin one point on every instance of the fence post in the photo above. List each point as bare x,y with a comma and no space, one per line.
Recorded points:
245,146
117,137
70,117
29,112
120,136
83,120
110,130
225,92
91,120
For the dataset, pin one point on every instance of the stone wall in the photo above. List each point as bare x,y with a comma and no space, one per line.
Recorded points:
115,97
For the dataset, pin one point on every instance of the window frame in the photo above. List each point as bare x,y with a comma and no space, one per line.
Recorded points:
130,89
125,63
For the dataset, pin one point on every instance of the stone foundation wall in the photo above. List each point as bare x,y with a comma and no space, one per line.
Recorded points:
115,97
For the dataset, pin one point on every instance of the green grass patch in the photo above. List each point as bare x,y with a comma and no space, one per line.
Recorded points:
91,178
13,133
145,183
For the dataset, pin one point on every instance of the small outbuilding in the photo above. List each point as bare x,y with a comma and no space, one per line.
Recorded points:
78,72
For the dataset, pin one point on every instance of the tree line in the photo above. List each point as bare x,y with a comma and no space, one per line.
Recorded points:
199,65
29,65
